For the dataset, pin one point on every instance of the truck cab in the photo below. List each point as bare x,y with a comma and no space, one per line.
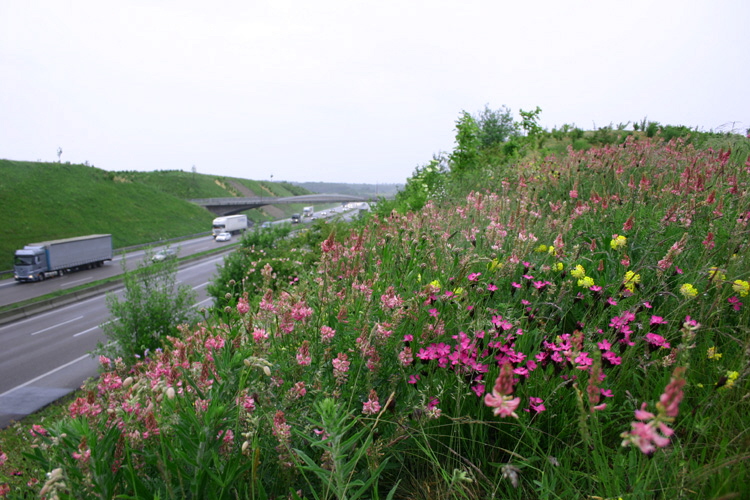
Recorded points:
30,264
295,218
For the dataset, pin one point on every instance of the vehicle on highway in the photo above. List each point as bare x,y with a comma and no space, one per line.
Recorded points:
323,213
295,219
308,211
162,255
223,236
265,225
234,224
37,260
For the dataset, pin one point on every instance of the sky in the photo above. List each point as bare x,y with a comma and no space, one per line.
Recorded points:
349,91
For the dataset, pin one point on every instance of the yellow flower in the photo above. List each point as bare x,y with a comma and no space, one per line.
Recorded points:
688,291
495,264
741,287
541,248
631,279
558,266
551,250
458,291
731,377
618,241
436,284
419,278
715,274
586,282
579,272
712,354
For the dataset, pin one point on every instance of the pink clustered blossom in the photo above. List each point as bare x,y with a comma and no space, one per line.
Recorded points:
503,404
303,354
650,431
372,405
243,307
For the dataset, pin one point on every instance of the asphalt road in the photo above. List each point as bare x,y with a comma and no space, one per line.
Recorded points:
45,357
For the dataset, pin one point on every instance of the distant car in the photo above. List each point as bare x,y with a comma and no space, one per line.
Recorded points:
223,236
295,219
265,225
167,253
323,213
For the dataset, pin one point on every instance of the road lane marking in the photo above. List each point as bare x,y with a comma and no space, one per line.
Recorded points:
93,328
202,301
40,377
53,311
59,324
201,285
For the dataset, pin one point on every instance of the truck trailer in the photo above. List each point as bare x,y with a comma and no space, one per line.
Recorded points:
308,212
233,224
36,261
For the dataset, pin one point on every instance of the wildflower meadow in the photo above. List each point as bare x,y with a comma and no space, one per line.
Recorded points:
576,326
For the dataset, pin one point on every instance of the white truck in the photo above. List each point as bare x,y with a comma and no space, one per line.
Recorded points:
36,261
233,224
308,212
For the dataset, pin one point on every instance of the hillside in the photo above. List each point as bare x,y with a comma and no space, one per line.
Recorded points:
42,201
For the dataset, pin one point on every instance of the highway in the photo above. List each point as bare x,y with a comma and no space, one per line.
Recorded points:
45,357
12,292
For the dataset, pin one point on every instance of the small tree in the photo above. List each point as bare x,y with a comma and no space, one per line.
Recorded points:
152,308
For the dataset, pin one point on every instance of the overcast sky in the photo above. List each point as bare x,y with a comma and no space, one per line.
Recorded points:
349,91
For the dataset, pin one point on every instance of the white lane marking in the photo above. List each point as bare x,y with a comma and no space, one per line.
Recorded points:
93,328
53,311
40,377
201,285
202,301
59,324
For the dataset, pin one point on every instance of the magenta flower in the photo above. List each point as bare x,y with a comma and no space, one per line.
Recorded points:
474,276
657,320
736,304
491,287
536,405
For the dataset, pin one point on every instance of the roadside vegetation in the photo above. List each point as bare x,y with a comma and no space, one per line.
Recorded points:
527,319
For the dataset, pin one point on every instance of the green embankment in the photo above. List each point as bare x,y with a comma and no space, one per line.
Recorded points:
44,201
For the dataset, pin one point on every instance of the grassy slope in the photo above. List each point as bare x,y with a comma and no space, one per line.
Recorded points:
42,201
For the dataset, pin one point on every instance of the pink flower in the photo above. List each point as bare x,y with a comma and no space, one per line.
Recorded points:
536,405
434,313
371,406
3,458
501,400
736,304
474,276
242,306
504,405
326,333
657,320
491,287
303,354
